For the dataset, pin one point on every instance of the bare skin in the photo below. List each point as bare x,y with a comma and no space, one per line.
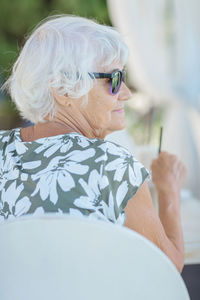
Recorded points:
102,115
164,230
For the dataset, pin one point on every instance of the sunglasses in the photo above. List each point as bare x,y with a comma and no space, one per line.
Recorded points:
116,78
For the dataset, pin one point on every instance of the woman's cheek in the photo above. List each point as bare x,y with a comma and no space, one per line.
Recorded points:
105,118
111,103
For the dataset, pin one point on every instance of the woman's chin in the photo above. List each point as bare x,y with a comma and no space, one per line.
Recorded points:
118,126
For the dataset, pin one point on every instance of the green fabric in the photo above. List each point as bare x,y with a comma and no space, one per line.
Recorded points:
68,173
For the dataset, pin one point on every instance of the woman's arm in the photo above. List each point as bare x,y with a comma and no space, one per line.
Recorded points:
166,233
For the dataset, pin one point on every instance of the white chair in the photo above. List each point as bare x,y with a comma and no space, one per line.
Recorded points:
53,258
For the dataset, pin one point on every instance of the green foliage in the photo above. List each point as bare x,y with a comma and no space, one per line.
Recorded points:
96,9
19,17
9,116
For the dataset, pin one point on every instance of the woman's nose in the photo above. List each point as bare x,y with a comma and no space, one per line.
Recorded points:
124,93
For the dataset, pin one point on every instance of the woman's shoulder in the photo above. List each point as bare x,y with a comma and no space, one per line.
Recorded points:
70,142
63,143
114,152
114,148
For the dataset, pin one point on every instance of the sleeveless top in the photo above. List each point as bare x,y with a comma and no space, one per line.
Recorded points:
67,173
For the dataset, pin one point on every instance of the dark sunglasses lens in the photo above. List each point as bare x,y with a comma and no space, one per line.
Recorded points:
116,82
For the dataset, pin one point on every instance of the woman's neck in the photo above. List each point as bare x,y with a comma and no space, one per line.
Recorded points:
51,128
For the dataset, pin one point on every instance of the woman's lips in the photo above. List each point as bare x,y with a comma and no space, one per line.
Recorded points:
121,110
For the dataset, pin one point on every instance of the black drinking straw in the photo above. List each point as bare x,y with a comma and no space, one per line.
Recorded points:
160,141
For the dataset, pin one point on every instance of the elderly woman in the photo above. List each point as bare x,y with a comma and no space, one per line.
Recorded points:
69,81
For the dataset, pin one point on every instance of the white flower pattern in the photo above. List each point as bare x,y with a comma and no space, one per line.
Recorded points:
68,173
93,190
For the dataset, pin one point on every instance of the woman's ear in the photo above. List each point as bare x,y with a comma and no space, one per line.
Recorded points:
61,100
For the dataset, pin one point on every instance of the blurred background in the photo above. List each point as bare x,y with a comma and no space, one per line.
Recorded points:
163,69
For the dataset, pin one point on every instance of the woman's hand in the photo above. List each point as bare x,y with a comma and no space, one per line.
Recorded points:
168,173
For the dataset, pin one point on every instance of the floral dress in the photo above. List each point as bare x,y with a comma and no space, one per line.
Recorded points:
67,173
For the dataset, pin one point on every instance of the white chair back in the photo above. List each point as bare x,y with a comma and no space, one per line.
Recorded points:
54,258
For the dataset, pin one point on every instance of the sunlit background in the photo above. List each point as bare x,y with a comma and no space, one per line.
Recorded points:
163,67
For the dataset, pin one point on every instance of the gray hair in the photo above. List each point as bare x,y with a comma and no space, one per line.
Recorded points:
59,53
